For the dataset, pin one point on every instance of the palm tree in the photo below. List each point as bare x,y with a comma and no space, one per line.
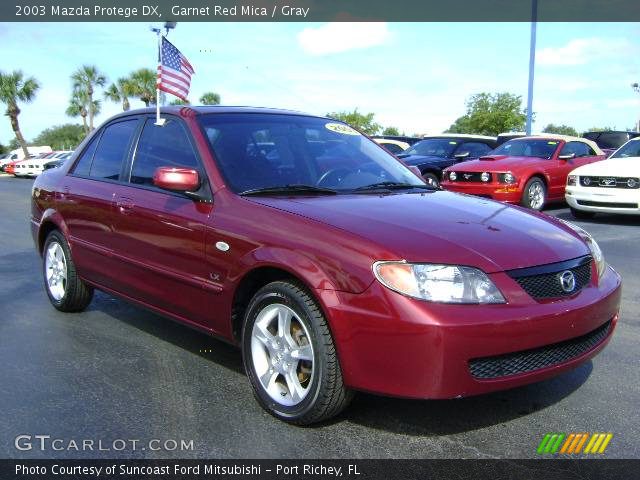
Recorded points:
86,78
143,85
120,92
14,88
78,108
210,98
179,101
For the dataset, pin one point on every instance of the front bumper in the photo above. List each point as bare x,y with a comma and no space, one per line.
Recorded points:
393,345
605,200
500,192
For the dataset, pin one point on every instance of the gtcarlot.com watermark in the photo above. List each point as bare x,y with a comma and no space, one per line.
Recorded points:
44,443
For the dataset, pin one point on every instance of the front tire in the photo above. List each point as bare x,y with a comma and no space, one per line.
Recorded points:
290,357
66,291
534,195
431,179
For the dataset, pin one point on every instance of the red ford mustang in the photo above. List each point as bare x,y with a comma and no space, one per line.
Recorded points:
331,264
530,171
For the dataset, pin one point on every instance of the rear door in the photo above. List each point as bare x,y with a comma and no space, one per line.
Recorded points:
86,200
158,234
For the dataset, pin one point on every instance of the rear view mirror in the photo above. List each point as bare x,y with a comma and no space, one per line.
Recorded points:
461,155
568,156
176,179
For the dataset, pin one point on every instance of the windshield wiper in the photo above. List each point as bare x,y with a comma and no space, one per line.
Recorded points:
392,186
290,189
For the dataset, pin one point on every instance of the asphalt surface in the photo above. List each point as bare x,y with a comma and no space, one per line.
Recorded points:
119,372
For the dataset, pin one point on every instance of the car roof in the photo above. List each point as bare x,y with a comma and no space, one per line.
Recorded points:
566,138
460,135
190,110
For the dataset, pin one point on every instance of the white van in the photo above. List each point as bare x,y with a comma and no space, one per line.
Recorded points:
18,154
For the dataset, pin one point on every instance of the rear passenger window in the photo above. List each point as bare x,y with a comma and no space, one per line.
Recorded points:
161,146
113,146
83,165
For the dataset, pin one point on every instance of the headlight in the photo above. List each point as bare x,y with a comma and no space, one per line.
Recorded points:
438,283
572,180
507,178
485,177
453,176
596,253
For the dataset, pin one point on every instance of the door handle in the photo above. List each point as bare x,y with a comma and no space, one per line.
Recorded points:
124,205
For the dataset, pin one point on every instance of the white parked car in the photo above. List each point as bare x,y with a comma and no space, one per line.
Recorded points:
608,186
394,146
35,166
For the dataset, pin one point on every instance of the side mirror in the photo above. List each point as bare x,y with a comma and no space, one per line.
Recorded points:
176,179
461,155
568,156
415,170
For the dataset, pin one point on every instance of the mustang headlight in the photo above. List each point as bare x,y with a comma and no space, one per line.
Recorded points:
438,283
596,253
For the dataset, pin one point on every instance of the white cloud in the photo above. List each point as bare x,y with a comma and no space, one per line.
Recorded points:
343,36
581,51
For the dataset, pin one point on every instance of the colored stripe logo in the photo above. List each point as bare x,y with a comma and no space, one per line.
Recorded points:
574,443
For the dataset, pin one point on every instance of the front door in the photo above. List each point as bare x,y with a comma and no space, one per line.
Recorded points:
160,235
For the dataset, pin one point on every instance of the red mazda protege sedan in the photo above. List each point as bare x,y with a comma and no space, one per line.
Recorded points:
331,264
531,171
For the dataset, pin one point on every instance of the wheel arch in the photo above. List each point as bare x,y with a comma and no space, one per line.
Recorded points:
51,220
252,281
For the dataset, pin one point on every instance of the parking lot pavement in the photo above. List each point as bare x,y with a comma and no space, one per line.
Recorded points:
119,372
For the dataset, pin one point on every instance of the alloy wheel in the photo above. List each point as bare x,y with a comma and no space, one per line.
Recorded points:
56,270
282,354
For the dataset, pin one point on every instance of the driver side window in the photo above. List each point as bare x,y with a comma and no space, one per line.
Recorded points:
579,149
161,146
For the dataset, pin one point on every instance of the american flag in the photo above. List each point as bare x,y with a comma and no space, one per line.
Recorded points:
174,71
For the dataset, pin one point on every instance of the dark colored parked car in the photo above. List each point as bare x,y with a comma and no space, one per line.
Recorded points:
610,141
331,264
435,153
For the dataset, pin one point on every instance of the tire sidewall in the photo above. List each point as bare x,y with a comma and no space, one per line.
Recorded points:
55,236
268,296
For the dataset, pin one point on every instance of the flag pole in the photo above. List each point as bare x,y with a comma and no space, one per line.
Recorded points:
159,121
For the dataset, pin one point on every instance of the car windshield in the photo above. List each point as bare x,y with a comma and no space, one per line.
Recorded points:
527,148
437,147
296,153
629,149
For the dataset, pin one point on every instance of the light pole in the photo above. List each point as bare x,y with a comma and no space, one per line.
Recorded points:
636,88
532,64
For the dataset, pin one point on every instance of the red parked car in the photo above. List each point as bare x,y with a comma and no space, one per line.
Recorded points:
332,265
530,171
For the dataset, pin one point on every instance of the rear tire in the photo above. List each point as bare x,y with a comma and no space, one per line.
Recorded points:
534,195
581,214
66,291
290,357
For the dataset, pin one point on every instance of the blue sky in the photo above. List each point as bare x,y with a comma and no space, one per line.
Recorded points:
415,76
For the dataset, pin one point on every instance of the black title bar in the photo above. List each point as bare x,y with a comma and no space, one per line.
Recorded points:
318,10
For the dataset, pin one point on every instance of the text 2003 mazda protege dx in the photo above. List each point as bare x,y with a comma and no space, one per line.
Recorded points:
330,263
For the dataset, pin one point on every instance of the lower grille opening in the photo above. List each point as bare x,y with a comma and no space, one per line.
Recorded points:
535,359
589,203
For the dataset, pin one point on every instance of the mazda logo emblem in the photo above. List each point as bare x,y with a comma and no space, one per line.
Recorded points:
567,281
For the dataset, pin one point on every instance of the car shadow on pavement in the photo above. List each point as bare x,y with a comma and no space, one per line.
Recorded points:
604,219
443,417
169,331
409,417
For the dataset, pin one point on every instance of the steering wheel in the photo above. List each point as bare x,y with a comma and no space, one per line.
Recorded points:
332,172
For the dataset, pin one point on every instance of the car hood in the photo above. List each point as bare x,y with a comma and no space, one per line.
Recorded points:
612,167
442,227
497,163
421,159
